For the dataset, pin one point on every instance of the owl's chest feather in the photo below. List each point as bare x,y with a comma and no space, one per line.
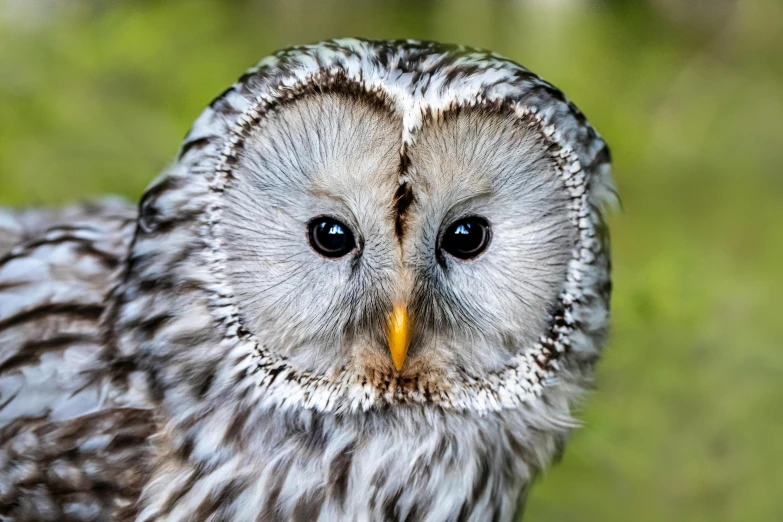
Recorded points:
311,467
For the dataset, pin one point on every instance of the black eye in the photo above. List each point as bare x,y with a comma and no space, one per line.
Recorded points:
466,238
329,237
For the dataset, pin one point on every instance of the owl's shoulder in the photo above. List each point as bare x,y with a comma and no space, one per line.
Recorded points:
109,216
54,283
67,429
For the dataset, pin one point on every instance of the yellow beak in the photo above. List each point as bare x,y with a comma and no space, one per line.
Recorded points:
398,335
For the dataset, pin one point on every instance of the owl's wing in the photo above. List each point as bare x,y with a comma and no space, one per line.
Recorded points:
62,426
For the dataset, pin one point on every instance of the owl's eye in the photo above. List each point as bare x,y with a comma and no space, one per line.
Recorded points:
329,237
466,238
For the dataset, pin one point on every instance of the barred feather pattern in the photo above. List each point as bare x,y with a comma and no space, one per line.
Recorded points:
67,452
130,389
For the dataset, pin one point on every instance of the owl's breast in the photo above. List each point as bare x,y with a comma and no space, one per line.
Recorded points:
412,464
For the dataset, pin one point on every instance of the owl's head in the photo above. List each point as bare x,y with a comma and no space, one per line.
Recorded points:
358,223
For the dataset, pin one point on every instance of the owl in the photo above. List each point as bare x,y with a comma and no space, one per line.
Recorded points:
371,287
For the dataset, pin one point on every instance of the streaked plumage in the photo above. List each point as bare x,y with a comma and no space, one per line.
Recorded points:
198,361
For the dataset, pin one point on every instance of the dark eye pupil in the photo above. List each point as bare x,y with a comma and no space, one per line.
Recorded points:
330,238
467,238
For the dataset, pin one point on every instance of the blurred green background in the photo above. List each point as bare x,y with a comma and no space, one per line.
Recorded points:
687,420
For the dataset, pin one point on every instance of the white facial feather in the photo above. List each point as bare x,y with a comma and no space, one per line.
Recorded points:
486,163
320,156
